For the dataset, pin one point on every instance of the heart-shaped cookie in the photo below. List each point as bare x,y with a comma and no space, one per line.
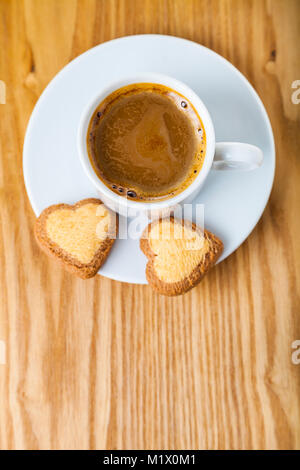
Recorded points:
179,254
79,236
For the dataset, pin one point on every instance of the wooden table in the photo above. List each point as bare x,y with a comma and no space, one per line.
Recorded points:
101,364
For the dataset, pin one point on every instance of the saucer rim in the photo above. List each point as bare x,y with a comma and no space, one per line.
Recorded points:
93,50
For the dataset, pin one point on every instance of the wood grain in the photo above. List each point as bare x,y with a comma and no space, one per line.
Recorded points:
100,364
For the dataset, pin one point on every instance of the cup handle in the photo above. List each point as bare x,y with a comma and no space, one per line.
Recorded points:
237,156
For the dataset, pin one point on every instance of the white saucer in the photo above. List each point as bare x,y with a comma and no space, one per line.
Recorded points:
234,200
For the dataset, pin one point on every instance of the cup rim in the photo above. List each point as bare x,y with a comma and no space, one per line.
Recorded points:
176,85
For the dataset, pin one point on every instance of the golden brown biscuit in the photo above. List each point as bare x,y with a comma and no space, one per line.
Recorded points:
80,236
179,254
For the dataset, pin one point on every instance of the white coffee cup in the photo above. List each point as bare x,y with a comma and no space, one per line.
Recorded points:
220,156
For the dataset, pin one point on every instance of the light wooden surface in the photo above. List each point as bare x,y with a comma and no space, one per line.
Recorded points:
100,364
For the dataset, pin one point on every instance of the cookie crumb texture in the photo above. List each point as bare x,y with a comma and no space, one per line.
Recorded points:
179,255
78,236
80,232
178,250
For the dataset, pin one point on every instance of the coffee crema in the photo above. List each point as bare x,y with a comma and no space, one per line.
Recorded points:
146,142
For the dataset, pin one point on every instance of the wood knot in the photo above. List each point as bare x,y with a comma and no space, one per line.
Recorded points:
273,55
